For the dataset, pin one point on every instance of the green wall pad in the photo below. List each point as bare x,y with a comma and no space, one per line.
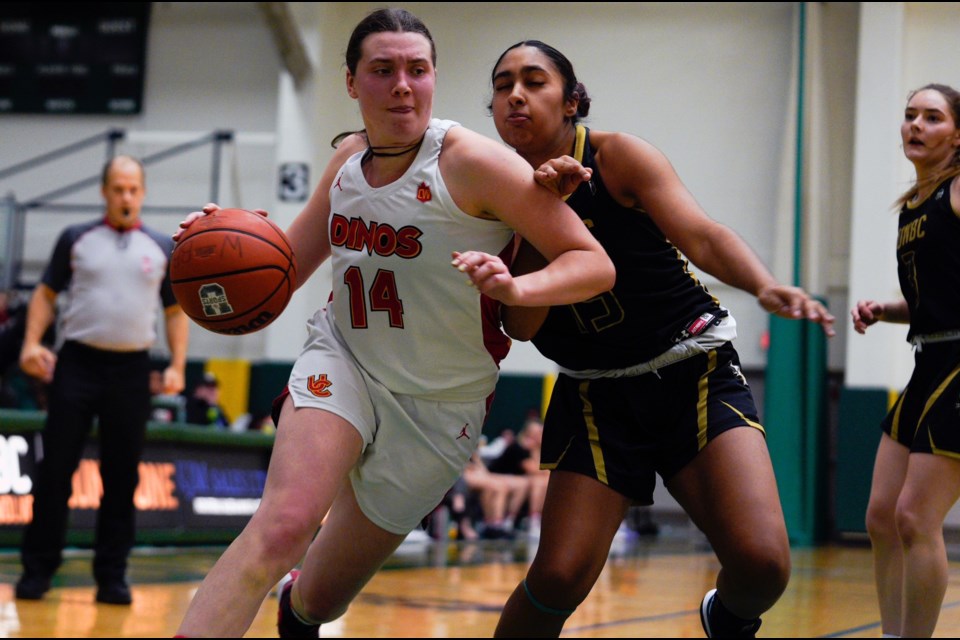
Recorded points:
858,434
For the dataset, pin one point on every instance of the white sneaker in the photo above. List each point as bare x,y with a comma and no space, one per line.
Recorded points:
417,536
291,575
705,611
747,630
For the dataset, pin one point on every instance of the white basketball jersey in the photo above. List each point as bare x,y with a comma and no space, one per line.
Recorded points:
409,317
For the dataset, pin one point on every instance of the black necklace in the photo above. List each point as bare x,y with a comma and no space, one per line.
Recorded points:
374,151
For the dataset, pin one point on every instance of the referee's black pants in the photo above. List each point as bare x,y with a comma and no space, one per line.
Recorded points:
114,387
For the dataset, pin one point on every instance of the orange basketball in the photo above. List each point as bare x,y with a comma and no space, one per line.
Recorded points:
233,271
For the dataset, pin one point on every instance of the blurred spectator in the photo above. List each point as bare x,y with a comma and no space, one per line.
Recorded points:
522,458
501,497
532,439
510,459
203,405
13,315
493,449
263,423
167,407
640,519
18,390
459,501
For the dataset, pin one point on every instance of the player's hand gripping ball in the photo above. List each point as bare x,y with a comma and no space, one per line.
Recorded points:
233,271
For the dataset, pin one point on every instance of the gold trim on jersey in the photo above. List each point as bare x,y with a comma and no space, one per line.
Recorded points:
704,386
580,143
747,421
593,434
690,274
930,402
578,146
895,423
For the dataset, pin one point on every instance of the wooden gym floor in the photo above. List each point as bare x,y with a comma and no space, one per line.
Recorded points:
651,587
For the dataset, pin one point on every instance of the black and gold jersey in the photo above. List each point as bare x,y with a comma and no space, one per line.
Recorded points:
928,263
655,299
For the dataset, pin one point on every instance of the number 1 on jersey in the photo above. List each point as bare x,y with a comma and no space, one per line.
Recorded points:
383,297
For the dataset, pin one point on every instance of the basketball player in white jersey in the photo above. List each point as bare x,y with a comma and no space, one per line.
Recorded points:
386,402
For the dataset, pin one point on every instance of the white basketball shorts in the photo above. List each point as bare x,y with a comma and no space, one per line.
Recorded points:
414,449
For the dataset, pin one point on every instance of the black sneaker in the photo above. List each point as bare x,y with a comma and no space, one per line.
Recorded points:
114,592
714,629
495,532
32,587
288,624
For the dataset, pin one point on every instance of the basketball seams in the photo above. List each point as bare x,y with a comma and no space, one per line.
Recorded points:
235,272
281,234
286,253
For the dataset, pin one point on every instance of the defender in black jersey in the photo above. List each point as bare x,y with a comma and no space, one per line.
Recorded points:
649,382
916,478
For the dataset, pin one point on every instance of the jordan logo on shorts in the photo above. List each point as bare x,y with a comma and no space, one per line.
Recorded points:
318,385
463,432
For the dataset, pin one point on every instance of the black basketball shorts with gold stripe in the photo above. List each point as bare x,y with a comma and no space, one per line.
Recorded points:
623,431
926,416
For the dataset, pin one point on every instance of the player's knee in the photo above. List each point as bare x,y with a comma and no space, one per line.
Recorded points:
912,529
763,567
562,585
774,572
285,538
881,523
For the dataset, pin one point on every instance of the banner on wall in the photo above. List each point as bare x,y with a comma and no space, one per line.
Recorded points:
182,487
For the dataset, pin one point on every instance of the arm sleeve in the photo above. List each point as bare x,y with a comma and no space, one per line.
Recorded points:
166,289
59,270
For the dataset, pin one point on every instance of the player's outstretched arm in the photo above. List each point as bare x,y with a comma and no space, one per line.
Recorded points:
869,312
488,180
